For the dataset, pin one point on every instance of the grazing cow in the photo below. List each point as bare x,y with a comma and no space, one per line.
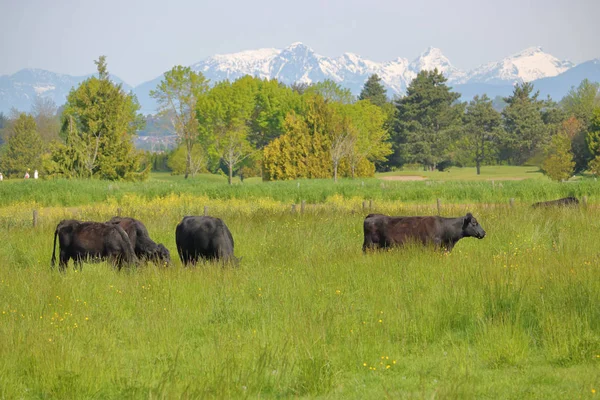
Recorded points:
144,247
383,231
92,241
564,202
204,237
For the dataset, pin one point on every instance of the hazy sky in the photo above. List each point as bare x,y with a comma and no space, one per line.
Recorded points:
143,38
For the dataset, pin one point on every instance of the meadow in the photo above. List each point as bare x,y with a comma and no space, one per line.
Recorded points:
306,314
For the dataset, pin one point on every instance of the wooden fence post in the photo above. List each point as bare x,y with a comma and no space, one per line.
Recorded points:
119,212
302,206
35,218
511,202
439,206
584,201
205,211
364,204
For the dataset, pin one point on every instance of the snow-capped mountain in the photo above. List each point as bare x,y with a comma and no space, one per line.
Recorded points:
525,66
300,63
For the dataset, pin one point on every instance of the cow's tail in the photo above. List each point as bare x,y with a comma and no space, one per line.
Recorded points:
53,261
130,252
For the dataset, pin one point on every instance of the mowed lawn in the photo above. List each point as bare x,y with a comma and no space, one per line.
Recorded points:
498,173
307,314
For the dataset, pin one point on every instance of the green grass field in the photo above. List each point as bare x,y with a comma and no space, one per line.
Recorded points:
496,185
487,173
307,314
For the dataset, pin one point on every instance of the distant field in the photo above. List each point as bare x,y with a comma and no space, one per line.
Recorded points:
306,315
496,185
498,173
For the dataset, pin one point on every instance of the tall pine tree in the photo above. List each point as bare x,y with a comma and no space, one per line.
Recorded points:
374,91
482,125
427,120
99,121
526,133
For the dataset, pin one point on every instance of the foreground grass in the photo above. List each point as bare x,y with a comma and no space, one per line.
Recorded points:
307,314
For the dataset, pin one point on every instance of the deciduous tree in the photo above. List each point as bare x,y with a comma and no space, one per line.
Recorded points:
224,117
370,140
48,122
559,163
177,96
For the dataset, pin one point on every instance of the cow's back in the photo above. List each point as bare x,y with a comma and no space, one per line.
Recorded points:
385,231
203,236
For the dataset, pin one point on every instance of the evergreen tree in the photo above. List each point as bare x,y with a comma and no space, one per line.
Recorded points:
427,120
299,153
482,126
374,91
23,149
178,95
526,133
99,121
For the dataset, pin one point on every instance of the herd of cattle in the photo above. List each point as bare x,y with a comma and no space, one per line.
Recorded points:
125,241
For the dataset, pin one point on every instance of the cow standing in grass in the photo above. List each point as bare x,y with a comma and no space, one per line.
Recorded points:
145,248
92,241
383,231
206,238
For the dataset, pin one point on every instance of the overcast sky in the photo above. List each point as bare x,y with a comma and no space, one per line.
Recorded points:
143,38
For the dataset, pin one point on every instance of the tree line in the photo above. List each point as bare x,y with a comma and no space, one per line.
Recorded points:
259,127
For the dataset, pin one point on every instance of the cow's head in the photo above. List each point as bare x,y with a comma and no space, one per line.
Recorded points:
162,255
471,227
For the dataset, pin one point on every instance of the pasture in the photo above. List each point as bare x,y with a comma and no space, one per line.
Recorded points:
306,314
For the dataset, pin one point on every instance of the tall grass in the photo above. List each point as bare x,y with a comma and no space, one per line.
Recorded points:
307,314
80,192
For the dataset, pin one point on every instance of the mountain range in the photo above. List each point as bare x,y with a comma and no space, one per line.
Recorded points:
300,63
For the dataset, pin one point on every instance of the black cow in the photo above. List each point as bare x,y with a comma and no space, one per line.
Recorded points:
564,202
204,237
145,248
383,231
92,241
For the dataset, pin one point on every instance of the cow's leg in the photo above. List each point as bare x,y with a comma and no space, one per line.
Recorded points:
64,261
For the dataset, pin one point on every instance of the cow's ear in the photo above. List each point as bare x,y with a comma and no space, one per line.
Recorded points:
467,219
